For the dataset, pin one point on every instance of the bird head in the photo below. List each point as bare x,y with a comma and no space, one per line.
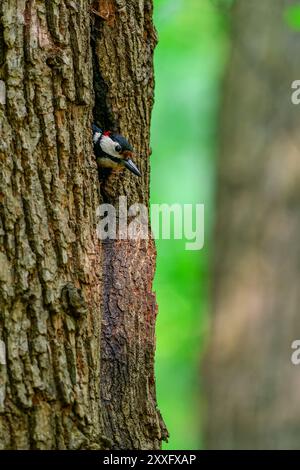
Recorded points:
116,146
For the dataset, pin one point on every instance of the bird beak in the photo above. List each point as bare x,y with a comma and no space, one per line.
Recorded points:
132,167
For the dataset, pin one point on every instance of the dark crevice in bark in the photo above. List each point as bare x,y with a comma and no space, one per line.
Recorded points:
2,47
101,113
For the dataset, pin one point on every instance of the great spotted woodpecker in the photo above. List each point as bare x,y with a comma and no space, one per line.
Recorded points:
113,150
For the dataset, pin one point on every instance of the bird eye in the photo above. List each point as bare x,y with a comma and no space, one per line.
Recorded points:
118,148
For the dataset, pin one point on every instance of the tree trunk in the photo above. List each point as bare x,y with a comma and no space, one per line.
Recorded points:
77,318
252,386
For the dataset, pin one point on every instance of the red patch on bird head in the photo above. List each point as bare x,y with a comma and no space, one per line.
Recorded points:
107,133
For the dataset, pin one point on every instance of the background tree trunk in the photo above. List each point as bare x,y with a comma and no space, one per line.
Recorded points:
252,386
57,284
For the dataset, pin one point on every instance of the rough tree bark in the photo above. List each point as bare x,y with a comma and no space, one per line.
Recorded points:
252,386
76,318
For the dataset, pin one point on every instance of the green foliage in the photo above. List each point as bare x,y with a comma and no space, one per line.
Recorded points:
189,62
292,17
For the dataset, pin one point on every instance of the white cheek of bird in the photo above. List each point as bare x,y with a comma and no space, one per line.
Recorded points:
109,146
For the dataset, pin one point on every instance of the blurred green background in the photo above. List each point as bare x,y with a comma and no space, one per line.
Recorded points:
189,65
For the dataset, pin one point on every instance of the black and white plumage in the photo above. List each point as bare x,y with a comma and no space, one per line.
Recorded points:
113,150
